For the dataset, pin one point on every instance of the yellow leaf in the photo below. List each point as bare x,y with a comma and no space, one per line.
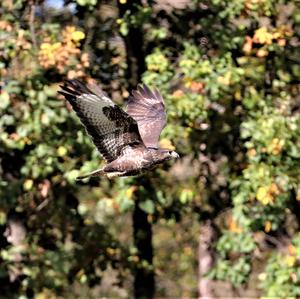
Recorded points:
276,146
45,46
130,191
45,294
110,251
264,196
28,184
2,217
166,144
290,260
262,36
262,276
44,119
62,151
238,95
225,80
267,199
262,53
69,29
187,81
40,295
5,96
268,226
56,46
262,192
78,35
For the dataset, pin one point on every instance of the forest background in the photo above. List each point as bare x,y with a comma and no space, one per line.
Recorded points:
223,220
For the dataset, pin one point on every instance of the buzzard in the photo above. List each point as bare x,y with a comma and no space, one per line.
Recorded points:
127,140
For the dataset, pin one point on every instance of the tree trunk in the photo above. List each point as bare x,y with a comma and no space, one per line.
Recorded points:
144,284
206,259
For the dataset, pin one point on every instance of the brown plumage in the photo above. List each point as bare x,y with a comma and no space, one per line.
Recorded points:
127,140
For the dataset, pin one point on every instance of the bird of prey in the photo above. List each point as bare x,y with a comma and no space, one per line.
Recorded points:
128,141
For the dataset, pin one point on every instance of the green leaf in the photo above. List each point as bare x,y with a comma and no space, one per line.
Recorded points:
147,206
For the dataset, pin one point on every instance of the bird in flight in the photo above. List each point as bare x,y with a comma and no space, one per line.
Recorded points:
128,141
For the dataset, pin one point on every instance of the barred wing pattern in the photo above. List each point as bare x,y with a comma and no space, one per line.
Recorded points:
148,109
110,128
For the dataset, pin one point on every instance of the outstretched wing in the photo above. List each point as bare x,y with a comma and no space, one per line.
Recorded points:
148,109
110,128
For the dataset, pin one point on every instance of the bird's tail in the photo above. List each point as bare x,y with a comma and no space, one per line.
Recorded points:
97,172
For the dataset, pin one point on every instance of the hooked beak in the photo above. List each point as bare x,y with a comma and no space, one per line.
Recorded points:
174,155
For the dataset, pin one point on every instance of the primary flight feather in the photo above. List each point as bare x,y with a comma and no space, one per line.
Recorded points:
127,140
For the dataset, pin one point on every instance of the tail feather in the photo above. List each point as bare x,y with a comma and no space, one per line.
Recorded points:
94,173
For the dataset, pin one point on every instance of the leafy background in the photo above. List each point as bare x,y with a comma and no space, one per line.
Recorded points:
229,72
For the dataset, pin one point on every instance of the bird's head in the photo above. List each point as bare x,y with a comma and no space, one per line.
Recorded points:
166,154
